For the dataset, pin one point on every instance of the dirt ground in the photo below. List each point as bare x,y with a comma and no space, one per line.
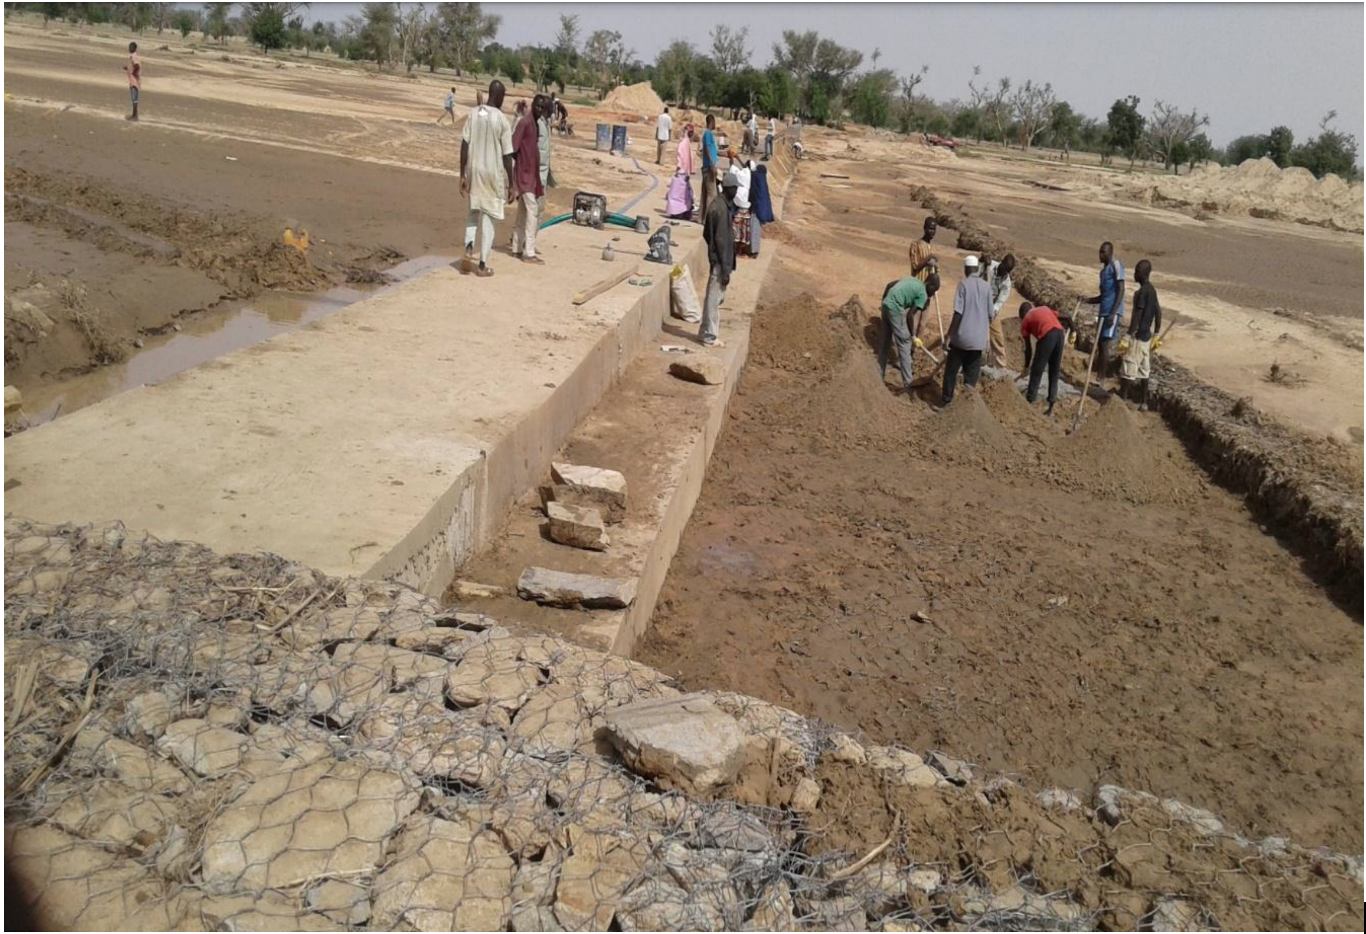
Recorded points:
1078,609
118,235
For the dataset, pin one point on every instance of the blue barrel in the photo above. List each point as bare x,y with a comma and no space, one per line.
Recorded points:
619,138
604,137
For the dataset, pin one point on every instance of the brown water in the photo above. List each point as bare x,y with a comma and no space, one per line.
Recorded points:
207,337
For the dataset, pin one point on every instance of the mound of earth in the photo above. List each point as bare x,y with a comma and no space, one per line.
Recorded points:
638,99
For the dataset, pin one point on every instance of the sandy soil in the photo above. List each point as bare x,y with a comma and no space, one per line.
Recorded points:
1079,609
115,232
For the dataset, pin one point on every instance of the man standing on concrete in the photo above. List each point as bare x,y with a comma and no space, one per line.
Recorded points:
720,236
904,298
967,336
663,133
1110,307
134,69
485,174
709,160
772,135
1143,330
998,278
543,144
526,180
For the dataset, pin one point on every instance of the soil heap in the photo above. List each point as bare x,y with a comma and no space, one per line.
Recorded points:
639,99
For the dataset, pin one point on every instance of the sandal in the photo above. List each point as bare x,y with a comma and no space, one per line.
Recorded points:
483,272
533,260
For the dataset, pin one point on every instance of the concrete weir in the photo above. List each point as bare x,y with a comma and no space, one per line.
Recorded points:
385,441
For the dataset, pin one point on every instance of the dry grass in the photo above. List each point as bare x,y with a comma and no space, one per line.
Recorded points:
105,348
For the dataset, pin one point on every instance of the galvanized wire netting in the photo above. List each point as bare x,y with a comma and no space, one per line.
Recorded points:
240,743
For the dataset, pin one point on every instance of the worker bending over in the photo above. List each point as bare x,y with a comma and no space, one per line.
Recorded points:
1046,331
903,313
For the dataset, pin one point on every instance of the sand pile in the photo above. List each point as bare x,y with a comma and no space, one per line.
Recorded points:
633,99
1257,187
1112,455
968,433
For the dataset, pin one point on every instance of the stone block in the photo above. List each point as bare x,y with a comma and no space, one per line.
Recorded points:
686,742
574,485
202,748
445,876
562,589
705,370
577,526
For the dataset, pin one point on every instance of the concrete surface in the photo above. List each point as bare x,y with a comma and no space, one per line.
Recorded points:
387,440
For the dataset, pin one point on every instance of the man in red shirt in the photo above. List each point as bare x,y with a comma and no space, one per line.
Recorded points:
526,181
134,69
1046,330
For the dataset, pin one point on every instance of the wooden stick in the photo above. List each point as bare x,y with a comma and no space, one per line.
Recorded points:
300,608
23,689
593,291
942,338
87,712
1076,419
872,854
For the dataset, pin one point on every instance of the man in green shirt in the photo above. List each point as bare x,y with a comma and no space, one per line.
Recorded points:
902,298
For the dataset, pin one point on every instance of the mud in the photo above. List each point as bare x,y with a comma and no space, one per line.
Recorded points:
1080,609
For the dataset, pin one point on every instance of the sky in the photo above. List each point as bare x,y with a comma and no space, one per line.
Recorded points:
1250,66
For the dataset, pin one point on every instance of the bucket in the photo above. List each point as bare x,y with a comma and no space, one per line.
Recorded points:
604,137
619,138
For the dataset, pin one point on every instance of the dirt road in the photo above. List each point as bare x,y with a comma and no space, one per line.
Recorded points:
1080,609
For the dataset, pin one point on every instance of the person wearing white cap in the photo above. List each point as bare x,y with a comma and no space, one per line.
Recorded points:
968,334
720,236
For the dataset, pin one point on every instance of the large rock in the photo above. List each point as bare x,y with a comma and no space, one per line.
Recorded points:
560,588
579,526
686,743
705,370
903,766
201,747
330,818
445,876
597,487
596,876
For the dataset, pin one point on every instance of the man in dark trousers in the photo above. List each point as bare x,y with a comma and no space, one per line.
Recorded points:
719,233
1046,331
1110,307
968,334
134,69
1143,329
709,160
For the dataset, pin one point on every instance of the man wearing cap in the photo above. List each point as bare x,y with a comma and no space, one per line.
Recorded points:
1110,310
968,334
720,237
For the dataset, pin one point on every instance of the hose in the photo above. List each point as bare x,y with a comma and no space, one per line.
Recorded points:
620,220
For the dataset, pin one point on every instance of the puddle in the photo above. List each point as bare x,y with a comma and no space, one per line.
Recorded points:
207,337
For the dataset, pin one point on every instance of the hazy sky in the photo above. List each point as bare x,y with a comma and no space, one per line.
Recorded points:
1250,66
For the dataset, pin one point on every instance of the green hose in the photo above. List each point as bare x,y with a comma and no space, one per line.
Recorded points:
620,220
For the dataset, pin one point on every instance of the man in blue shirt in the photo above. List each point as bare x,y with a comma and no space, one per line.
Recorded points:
449,109
709,158
1110,312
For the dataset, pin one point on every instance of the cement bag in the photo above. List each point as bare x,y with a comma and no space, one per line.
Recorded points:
685,304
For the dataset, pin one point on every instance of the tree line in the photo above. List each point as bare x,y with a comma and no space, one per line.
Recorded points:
807,74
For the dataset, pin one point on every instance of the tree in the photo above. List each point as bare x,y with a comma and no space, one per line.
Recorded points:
980,96
728,48
1064,126
1168,126
1125,132
609,58
1331,152
778,96
906,106
796,55
412,26
462,29
266,23
1243,148
216,20
1199,150
676,72
161,15
567,39
830,69
379,22
877,53
1280,142
1032,106
136,16
871,100
187,21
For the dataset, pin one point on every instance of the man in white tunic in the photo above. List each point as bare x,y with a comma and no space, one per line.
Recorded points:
485,173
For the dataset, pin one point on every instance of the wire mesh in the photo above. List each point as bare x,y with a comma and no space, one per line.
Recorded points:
240,743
